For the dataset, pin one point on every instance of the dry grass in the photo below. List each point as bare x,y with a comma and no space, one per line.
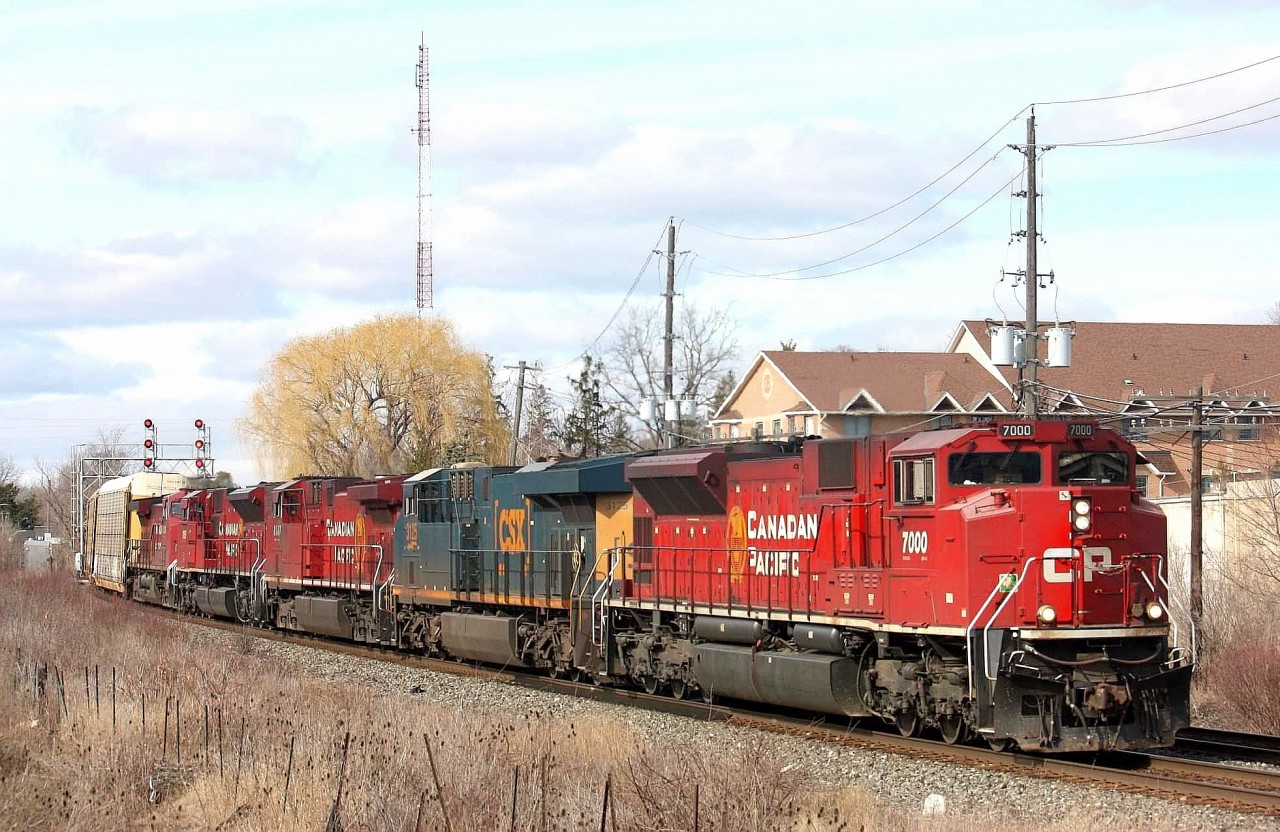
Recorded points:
80,757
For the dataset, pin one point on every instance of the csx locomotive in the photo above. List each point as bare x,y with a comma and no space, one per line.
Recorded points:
1002,581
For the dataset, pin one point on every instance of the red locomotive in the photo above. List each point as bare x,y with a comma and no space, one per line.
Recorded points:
1003,580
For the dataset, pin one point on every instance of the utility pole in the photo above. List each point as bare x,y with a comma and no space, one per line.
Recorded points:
669,332
1197,520
515,432
1030,404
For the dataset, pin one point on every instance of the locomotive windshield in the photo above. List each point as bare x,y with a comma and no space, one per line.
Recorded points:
1101,467
1002,468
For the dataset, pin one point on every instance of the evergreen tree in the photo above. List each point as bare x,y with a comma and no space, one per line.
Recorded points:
591,427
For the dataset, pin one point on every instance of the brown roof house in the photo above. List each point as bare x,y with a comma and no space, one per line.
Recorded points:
1142,377
787,392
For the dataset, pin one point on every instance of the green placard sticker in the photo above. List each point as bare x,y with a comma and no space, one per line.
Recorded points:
1008,581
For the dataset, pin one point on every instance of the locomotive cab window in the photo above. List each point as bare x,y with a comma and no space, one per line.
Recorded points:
1097,467
913,481
1000,468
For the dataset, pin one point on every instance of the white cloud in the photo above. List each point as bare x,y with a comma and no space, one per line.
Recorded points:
173,146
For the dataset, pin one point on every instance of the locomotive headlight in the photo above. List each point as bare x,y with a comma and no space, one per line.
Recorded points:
1046,614
1081,514
1155,612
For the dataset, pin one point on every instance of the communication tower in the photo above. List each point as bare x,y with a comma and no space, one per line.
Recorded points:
425,276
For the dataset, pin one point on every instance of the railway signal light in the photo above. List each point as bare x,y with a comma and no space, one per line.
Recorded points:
150,446
201,443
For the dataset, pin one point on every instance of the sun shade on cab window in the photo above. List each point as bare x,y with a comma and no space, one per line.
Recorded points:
999,468
1101,467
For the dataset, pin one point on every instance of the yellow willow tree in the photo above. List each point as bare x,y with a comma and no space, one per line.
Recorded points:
389,395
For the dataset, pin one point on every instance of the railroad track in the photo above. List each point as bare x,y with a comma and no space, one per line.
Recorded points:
1258,748
1189,780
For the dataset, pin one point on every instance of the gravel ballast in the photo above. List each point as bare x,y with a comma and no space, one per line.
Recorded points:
971,793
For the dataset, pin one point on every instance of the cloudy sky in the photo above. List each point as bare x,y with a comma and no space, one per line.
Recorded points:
187,185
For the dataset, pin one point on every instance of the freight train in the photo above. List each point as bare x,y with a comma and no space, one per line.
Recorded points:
1003,581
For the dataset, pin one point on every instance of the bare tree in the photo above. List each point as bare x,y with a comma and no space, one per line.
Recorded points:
58,482
1273,314
705,348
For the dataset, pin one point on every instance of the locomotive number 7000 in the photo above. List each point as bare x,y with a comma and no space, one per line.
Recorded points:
1014,430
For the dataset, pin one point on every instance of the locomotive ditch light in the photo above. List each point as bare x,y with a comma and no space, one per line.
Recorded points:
1046,614
1154,611
1081,515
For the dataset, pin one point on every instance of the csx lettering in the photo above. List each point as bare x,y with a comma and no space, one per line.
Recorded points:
511,530
915,542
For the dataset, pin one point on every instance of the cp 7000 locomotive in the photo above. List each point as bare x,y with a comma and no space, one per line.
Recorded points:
1003,581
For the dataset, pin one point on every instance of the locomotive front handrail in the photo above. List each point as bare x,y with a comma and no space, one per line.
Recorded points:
601,594
1012,591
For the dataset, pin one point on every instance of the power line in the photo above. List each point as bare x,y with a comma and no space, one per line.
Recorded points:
873,243
905,251
1160,89
1172,129
1119,143
630,290
852,223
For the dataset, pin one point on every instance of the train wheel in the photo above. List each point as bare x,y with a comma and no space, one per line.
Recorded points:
909,723
954,730
652,685
679,689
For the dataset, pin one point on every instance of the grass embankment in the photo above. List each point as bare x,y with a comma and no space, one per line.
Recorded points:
113,718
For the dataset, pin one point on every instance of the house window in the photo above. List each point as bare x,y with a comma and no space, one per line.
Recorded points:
857,426
715,432
758,431
777,427
913,481
938,422
733,430
1140,483
791,425
810,425
1247,433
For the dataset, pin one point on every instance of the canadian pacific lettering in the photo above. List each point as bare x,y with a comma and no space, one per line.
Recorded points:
773,531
